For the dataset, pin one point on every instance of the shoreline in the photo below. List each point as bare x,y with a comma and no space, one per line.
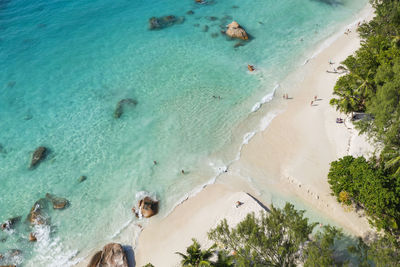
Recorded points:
233,181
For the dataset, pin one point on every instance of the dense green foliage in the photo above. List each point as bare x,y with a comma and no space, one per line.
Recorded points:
372,86
369,186
284,237
280,238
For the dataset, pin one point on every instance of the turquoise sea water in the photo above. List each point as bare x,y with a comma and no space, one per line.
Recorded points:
65,65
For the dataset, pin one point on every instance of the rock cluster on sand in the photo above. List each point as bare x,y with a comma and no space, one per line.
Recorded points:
112,255
119,109
37,156
236,31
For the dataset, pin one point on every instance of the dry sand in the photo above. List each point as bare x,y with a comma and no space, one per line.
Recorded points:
291,156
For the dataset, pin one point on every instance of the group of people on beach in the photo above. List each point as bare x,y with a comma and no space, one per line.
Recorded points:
315,99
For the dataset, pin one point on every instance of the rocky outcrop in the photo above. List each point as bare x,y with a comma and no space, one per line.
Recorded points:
82,178
58,202
38,156
119,109
32,237
148,207
165,21
236,31
10,223
36,215
112,255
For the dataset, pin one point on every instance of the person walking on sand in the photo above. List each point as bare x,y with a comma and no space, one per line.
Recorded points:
315,98
312,102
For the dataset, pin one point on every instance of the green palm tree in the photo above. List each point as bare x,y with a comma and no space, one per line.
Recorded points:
393,161
196,257
224,260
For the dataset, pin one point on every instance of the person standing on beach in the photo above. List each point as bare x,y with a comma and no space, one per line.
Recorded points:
312,102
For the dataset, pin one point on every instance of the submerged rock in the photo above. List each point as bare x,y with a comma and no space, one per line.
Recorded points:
165,21
148,207
119,109
10,223
112,255
190,12
38,156
236,31
82,178
58,202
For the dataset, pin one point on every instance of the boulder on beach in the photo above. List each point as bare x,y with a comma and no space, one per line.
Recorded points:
38,155
58,202
236,31
148,207
95,259
112,255
119,109
165,21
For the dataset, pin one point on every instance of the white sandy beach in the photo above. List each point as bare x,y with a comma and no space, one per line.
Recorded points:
291,156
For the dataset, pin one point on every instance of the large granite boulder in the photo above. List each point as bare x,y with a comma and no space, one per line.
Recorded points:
58,202
119,109
236,31
112,255
165,21
148,207
37,156
36,215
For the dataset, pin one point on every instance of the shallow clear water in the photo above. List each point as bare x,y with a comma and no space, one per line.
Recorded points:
65,65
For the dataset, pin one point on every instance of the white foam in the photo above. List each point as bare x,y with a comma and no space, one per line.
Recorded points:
265,99
50,251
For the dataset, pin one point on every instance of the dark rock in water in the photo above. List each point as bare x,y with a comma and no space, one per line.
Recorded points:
2,150
148,207
119,109
36,214
196,25
38,156
58,202
10,223
212,18
215,35
235,6
236,31
238,44
82,178
165,21
95,259
112,255
11,84
190,12
205,28
28,117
